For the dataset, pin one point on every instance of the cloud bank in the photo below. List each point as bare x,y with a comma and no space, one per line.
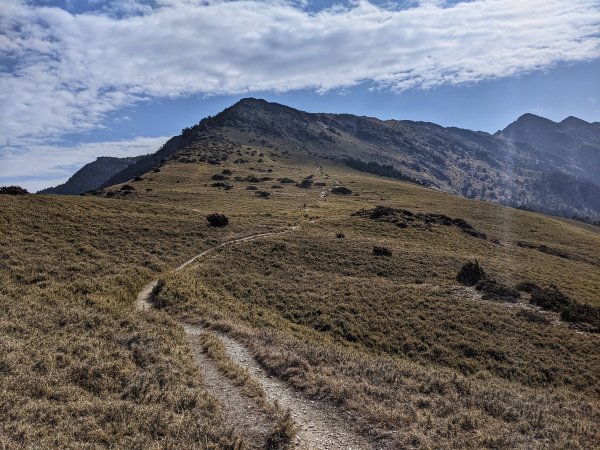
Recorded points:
62,72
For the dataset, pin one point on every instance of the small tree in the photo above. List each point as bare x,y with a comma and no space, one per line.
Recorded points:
217,220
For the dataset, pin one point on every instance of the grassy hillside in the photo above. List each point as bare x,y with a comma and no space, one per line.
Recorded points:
417,358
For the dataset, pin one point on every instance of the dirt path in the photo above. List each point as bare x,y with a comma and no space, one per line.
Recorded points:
320,425
143,300
250,421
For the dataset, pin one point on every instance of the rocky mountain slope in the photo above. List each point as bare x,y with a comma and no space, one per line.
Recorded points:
534,163
92,175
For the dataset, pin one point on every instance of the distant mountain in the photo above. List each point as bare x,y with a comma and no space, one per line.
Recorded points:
143,164
534,163
91,176
573,144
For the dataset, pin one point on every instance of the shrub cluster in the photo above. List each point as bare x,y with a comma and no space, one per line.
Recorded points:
381,251
470,273
13,190
217,220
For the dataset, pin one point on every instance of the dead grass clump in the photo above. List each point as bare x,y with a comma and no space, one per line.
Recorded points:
284,432
216,350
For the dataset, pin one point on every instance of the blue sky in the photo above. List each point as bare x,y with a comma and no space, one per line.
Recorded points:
80,79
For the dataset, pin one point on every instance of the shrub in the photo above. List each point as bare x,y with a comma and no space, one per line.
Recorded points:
381,251
493,290
222,184
227,172
570,310
13,190
217,220
532,316
276,186
340,235
341,190
263,194
251,188
306,184
218,177
470,273
550,298
285,180
527,286
137,178
127,187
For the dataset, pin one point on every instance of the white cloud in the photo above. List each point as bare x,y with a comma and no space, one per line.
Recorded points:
41,166
73,69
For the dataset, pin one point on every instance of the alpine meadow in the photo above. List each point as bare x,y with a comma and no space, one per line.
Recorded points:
383,275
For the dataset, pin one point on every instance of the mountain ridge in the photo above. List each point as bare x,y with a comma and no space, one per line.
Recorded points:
533,163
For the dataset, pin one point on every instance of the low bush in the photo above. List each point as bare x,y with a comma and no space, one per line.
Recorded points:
552,299
13,190
341,190
263,194
217,220
493,290
222,185
470,273
306,184
381,251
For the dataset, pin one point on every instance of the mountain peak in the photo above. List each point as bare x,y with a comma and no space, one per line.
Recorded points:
574,121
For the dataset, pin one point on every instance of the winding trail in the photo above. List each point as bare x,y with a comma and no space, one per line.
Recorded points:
320,426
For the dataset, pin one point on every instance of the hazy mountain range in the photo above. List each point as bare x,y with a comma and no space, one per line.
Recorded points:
533,163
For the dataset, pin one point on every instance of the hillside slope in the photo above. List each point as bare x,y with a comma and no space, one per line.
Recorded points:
91,176
358,307
533,163
501,168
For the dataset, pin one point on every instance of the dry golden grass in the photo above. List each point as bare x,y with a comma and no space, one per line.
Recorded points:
418,360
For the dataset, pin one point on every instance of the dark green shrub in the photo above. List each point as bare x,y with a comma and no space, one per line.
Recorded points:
13,190
217,220
341,190
470,274
381,251
493,290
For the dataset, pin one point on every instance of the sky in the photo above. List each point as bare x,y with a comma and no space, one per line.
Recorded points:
86,78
